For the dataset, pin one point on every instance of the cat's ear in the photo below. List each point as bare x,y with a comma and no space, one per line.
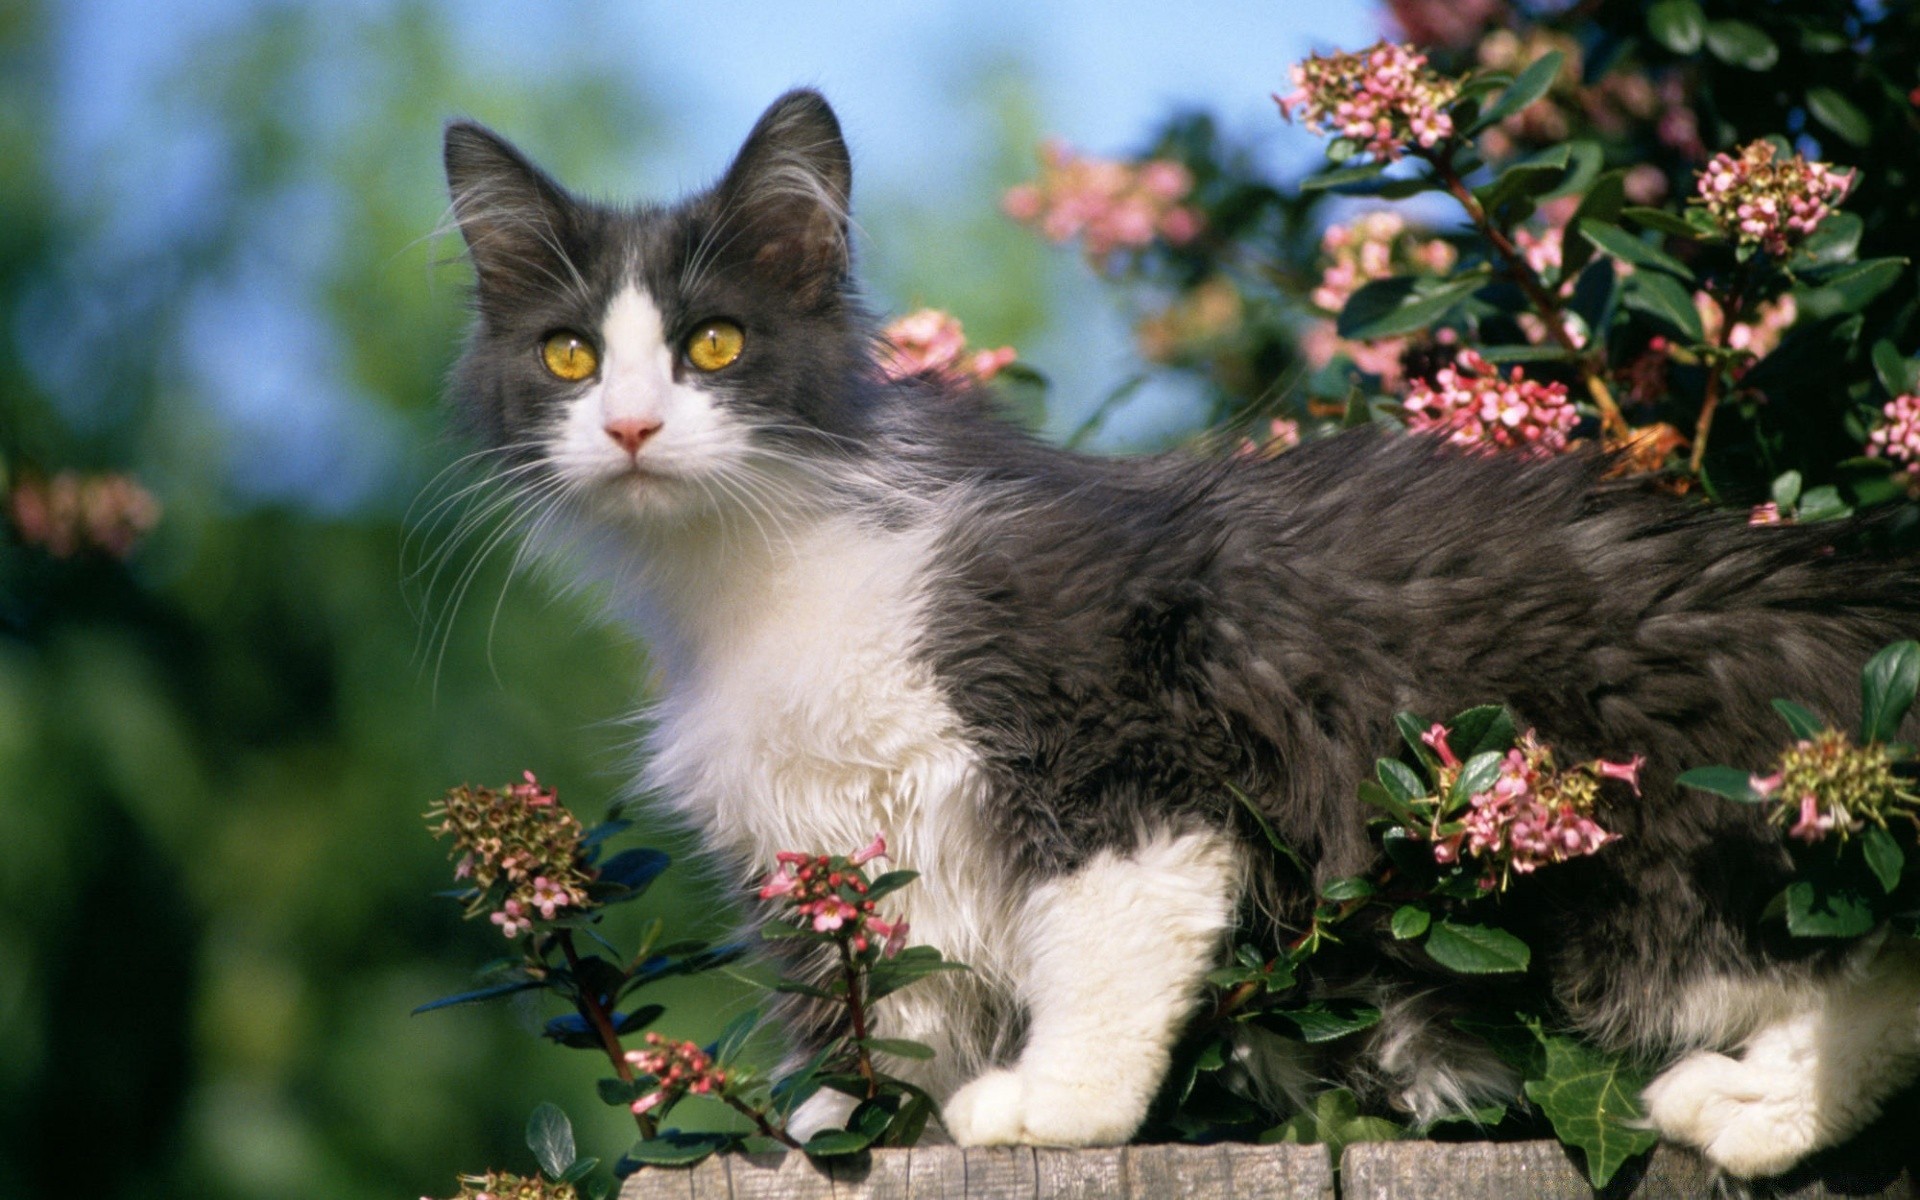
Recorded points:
788,191
518,223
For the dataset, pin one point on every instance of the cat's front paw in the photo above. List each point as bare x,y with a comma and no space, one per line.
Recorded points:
1006,1107
1747,1123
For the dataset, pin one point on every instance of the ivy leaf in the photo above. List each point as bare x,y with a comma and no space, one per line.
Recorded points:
1818,909
1528,86
1679,25
621,1091
1592,1100
1325,1021
734,1036
1476,949
1803,723
1883,856
550,1137
1410,922
1730,782
1887,688
1335,1122
1835,241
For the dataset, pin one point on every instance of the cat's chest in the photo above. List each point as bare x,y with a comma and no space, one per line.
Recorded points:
803,719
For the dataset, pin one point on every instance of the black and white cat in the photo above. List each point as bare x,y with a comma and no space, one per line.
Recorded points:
1045,676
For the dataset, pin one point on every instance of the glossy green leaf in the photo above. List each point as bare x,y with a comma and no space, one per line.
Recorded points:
1525,180
675,1148
1887,688
1883,856
1476,949
1477,775
900,1048
889,883
1836,240
621,1091
1403,304
1624,246
1328,1020
480,994
1528,86
1803,723
1722,781
1602,202
1897,373
1786,490
1659,219
1853,286
836,1143
1665,299
550,1137
581,1168
1349,887
1679,25
1592,1101
1335,1122
1410,922
1839,114
1819,909
1478,730
1741,44
1412,728
1342,176
1400,780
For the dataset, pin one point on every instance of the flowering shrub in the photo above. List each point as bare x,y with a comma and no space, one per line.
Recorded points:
1760,199
1473,406
1381,100
534,871
932,342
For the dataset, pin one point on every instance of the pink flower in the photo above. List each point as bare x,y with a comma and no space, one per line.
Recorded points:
1813,824
649,1101
512,918
1761,200
1898,436
779,883
877,848
1766,514
1476,408
894,933
1627,772
1384,99
829,913
1112,206
1436,738
549,897
932,342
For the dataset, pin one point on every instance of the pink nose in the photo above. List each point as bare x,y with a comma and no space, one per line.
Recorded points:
632,433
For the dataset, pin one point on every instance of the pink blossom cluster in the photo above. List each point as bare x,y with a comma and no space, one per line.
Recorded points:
1478,408
828,895
1766,514
678,1069
932,342
1533,815
1898,437
1758,335
70,513
503,1185
1384,99
1374,246
1109,205
521,849
1762,200
1825,785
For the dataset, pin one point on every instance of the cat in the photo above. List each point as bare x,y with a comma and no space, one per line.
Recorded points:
872,604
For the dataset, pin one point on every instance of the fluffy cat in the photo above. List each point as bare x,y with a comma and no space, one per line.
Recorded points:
1045,675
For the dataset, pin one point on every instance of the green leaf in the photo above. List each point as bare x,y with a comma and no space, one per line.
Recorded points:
1786,490
1742,45
1624,246
1663,298
480,994
1333,1121
1803,723
1326,1020
1603,201
1528,86
631,871
1348,887
1836,240
1402,304
1679,25
1410,922
675,1148
1883,856
1898,374
1887,687
1476,949
1400,780
1659,219
734,1036
1478,730
900,1048
1480,773
621,1091
797,987
891,882
1722,781
581,1168
1839,114
1853,286
1342,176
1817,909
836,1143
1592,1100
1411,728
889,975
1524,354
1266,830
1525,180
550,1137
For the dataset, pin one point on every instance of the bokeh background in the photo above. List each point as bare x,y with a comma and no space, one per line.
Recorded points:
218,274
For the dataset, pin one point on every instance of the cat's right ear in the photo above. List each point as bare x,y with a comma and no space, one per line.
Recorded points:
518,224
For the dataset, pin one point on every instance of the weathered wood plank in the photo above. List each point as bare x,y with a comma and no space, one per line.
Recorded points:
1189,1172
885,1175
1279,1172
1480,1170
935,1172
1079,1174
776,1177
999,1171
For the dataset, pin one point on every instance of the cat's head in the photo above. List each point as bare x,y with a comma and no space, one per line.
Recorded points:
656,362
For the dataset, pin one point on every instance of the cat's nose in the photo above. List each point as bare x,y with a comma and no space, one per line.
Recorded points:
632,433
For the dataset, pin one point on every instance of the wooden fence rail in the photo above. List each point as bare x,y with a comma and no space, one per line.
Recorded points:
1368,1171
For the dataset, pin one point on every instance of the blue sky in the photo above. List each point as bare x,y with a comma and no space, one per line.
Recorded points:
1102,74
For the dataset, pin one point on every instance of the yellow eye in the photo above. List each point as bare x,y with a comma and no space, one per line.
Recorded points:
569,356
715,344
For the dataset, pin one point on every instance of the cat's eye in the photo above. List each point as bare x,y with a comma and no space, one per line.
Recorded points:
569,356
715,344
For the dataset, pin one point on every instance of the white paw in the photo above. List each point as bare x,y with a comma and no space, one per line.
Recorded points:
1007,1108
825,1109
1726,1109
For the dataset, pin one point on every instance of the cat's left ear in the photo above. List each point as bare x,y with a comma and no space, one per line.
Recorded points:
788,190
